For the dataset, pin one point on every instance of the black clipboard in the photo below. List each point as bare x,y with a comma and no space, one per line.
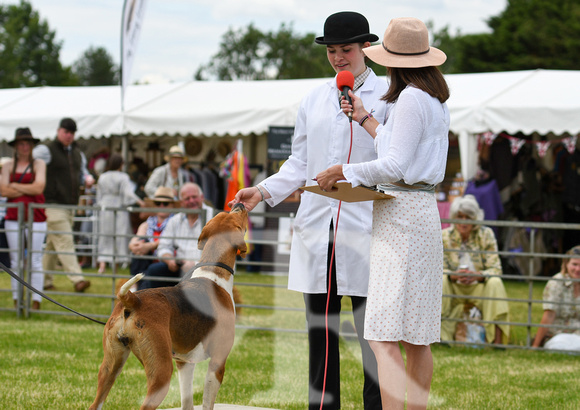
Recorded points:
345,192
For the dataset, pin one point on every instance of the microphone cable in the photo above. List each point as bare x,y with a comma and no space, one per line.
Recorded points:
330,283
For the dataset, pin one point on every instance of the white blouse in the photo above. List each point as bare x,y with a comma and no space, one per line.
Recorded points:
412,146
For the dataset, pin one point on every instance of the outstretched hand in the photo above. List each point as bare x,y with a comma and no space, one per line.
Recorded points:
249,197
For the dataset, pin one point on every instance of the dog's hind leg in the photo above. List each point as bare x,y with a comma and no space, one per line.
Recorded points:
185,371
157,360
115,356
213,382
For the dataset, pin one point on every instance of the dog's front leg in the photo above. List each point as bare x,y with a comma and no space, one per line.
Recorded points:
185,372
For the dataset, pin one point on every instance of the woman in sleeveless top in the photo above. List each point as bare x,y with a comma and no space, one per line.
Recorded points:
23,180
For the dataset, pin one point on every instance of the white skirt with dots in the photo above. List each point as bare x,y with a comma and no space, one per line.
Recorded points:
406,270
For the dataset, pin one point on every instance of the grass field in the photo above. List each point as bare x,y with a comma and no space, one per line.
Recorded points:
51,361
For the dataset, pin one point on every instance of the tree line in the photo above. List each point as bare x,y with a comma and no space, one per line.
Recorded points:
528,34
30,54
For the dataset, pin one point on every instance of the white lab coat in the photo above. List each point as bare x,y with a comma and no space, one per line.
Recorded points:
322,139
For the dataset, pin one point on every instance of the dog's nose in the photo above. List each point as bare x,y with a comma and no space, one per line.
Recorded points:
238,207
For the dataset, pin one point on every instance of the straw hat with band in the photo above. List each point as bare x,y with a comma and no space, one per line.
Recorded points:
175,151
163,195
406,45
23,134
346,27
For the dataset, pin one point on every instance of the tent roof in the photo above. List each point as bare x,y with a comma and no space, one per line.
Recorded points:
527,101
540,101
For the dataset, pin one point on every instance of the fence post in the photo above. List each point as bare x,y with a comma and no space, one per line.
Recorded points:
530,287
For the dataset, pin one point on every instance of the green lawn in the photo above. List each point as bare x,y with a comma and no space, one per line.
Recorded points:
51,361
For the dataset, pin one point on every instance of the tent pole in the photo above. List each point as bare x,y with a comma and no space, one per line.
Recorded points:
125,151
468,154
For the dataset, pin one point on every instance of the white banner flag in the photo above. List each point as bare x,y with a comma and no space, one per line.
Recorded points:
133,12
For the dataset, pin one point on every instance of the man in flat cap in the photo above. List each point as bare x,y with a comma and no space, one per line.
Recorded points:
66,171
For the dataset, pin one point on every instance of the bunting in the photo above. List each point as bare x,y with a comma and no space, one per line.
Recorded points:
516,144
541,146
570,143
489,137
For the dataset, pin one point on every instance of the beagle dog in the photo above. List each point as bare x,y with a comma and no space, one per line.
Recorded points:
189,323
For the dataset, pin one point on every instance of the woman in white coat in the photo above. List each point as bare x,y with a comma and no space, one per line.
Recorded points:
322,138
115,190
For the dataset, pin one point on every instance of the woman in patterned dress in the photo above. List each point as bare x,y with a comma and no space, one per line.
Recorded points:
461,269
404,296
562,307
114,190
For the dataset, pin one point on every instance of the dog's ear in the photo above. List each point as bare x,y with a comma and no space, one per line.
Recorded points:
204,235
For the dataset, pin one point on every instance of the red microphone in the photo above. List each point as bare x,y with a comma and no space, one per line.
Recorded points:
345,82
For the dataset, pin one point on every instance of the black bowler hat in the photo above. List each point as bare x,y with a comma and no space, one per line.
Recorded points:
346,27
68,124
23,134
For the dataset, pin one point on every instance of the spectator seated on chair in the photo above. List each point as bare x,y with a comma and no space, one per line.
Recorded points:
472,274
177,249
562,307
143,245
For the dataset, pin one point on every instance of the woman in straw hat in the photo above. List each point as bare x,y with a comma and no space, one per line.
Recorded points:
404,296
23,180
321,137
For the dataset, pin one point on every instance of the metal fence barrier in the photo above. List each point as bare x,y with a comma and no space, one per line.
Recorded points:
87,237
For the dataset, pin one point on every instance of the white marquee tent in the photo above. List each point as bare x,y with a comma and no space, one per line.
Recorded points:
542,101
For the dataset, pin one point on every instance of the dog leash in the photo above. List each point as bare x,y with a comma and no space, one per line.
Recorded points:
218,264
23,282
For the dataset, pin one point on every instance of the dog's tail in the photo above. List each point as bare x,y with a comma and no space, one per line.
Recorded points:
128,298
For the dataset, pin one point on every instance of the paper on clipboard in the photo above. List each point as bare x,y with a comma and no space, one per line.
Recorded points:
347,193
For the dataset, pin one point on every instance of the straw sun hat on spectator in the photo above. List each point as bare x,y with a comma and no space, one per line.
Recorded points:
164,195
175,151
406,45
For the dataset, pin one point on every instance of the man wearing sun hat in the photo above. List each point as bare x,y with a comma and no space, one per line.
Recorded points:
172,174
146,240
66,167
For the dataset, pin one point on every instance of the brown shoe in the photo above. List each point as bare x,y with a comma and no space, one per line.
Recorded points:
49,287
35,305
82,285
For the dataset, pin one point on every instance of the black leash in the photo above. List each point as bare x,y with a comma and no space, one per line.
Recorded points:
218,264
15,276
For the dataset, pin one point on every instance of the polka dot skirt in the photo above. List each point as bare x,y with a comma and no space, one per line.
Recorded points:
405,284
